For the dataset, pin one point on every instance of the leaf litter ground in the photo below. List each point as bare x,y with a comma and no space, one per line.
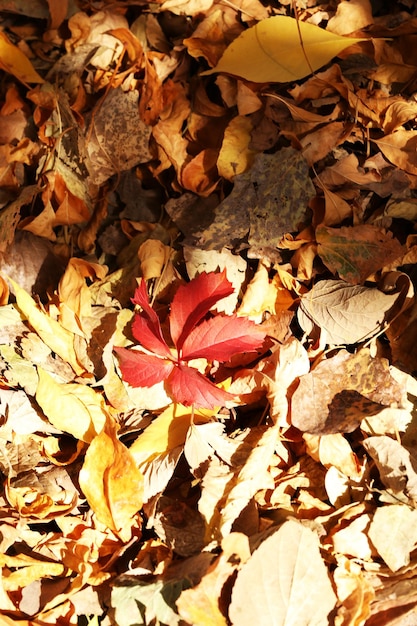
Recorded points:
208,323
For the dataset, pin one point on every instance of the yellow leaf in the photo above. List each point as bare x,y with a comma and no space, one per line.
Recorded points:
111,482
73,408
57,338
26,570
235,156
166,432
13,61
271,51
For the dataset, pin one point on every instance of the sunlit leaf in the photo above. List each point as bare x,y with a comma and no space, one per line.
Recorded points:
142,370
73,408
111,482
194,300
146,327
278,49
13,61
188,386
49,330
288,563
221,337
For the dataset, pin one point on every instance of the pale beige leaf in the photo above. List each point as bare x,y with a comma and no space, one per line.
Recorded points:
393,532
73,408
352,539
280,49
346,313
252,477
395,464
285,582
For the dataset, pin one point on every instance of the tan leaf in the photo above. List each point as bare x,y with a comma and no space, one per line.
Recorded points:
400,149
398,523
395,464
111,482
286,564
252,477
71,407
346,314
351,15
354,591
154,257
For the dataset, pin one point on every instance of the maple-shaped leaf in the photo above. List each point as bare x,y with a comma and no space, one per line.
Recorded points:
146,327
216,338
221,337
194,300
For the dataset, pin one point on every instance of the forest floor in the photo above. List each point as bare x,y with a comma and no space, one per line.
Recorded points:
208,348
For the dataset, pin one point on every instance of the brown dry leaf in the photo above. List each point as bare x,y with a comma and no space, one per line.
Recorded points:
71,407
111,482
352,539
268,201
400,523
345,314
356,252
397,114
347,170
339,392
119,139
400,149
336,208
287,563
154,257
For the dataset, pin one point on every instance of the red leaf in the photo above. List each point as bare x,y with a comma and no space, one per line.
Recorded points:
194,300
222,337
144,332
146,327
187,386
142,370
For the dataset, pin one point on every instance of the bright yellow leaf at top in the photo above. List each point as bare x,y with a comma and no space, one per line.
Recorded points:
13,61
278,50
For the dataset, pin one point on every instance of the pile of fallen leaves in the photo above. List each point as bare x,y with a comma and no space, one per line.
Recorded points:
208,331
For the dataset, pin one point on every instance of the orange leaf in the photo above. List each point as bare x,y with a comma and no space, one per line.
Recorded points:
111,482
